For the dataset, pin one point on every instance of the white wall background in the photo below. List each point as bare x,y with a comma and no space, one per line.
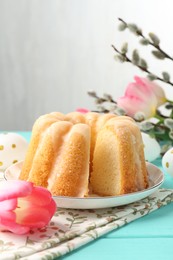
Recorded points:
53,51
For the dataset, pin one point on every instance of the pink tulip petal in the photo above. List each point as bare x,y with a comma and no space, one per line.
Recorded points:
157,90
33,217
52,207
23,206
14,227
127,104
82,110
10,204
39,196
140,81
7,216
142,92
133,105
142,95
26,208
13,189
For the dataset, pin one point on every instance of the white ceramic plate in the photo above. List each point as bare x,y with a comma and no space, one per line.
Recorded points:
156,178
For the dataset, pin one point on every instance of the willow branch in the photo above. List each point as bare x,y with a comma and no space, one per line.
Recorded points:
127,59
139,33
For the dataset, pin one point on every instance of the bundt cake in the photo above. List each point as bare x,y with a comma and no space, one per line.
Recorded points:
70,153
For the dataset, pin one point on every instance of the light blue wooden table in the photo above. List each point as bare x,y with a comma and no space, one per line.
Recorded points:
150,237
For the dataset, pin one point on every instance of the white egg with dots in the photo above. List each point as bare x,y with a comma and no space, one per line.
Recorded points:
12,149
167,161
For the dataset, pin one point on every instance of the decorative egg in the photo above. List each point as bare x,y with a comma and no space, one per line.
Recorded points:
167,161
152,148
12,149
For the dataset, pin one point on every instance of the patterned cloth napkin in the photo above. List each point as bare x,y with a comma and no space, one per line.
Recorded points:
69,229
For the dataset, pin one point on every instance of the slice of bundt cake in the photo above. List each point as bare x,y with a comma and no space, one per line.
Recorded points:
118,164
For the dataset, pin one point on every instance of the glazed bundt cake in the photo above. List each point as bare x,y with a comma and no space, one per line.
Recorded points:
70,153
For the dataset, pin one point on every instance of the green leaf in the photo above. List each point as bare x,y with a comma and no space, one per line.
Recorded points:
70,213
69,219
166,76
81,217
142,212
154,39
78,222
159,55
171,135
135,57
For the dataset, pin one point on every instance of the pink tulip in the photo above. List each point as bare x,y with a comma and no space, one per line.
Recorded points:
142,95
24,206
82,110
